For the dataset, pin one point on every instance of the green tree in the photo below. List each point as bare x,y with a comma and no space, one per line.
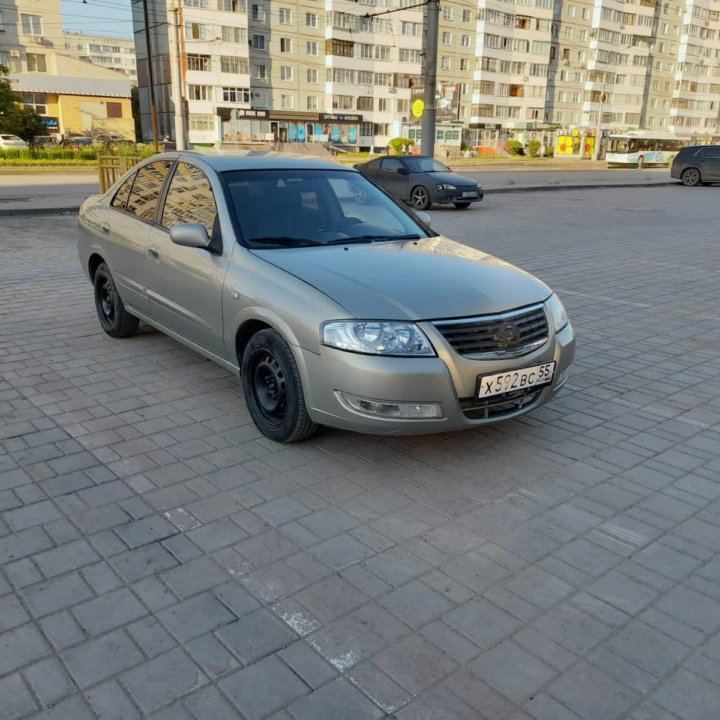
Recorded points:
16,118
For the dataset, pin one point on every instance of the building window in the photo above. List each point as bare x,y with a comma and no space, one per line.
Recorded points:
466,16
342,102
198,62
259,72
199,92
312,75
286,72
233,64
382,104
382,52
403,106
312,102
233,34
312,47
2,29
235,95
447,38
285,16
36,63
339,48
465,41
464,64
36,101
287,102
447,12
409,55
446,63
285,45
114,109
311,19
364,103
197,3
235,6
257,12
4,59
258,42
31,24
201,122
198,31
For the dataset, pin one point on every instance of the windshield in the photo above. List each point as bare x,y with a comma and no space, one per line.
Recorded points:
299,208
425,164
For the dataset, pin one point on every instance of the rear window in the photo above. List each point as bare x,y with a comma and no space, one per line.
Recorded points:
146,189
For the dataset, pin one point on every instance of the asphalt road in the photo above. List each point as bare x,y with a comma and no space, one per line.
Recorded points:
62,190
161,560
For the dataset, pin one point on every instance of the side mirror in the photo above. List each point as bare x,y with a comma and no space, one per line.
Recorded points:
424,217
192,235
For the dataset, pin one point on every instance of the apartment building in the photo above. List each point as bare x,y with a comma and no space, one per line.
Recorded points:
108,52
349,72
72,96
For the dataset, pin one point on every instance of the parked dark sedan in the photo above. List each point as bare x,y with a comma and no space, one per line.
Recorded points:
697,165
421,181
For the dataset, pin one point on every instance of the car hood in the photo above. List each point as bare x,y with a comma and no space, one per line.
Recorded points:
411,280
450,179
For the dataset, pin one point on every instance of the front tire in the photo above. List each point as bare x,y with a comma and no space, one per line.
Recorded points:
420,198
273,389
690,177
114,319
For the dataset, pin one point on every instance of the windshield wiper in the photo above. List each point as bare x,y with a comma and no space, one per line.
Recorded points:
371,238
284,241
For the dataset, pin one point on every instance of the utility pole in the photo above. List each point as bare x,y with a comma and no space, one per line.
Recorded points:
430,50
598,130
176,76
151,79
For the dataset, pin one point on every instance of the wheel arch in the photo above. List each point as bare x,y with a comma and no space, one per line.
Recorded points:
94,262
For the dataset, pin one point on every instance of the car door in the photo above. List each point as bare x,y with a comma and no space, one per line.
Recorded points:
184,284
710,167
393,177
122,236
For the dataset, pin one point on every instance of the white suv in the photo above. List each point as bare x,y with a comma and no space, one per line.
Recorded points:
12,141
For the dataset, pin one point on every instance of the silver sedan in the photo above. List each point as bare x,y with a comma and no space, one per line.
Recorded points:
336,312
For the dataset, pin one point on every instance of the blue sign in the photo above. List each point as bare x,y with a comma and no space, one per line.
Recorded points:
301,133
51,123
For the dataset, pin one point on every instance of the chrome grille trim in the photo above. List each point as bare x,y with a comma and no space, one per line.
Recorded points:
476,336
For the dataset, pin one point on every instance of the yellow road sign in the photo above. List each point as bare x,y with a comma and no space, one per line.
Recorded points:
417,108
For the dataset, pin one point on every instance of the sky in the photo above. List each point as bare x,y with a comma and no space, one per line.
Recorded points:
98,17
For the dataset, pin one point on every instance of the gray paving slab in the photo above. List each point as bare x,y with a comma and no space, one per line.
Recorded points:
159,559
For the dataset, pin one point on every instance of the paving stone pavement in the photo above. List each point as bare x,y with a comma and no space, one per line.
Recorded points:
158,558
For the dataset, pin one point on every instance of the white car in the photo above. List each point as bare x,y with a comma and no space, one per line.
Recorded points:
8,142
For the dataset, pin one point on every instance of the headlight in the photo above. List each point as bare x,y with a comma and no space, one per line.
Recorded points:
445,186
377,337
556,311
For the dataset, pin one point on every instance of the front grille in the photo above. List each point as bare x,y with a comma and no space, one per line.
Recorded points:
500,405
508,334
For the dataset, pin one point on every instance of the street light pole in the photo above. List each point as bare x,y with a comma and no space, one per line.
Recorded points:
151,79
176,77
430,49
598,130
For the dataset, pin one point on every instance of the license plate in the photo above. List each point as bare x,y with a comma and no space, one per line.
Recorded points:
469,194
513,380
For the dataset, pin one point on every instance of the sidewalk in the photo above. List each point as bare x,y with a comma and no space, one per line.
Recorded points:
28,193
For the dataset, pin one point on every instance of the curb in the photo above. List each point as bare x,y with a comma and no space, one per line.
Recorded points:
487,191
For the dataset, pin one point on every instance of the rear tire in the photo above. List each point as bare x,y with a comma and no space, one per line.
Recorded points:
273,389
114,319
461,205
690,177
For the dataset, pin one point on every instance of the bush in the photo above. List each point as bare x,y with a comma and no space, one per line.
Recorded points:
534,148
399,144
84,155
514,147
549,151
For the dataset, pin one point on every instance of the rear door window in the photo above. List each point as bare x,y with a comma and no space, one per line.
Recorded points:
190,199
391,165
711,152
146,189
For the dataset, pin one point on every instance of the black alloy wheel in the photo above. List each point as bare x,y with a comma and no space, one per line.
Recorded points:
114,319
273,389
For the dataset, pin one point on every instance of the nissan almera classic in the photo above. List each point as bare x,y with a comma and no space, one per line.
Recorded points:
355,315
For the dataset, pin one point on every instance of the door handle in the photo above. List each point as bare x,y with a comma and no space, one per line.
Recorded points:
105,227
153,253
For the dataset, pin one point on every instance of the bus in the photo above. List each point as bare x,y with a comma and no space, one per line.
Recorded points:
638,148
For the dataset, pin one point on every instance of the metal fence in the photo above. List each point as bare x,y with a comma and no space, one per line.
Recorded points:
111,167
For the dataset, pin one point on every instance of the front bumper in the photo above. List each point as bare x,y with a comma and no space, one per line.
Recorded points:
449,379
441,197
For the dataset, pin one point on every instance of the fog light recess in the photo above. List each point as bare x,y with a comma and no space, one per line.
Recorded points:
392,410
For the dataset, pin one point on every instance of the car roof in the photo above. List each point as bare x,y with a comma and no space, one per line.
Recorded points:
695,148
224,162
